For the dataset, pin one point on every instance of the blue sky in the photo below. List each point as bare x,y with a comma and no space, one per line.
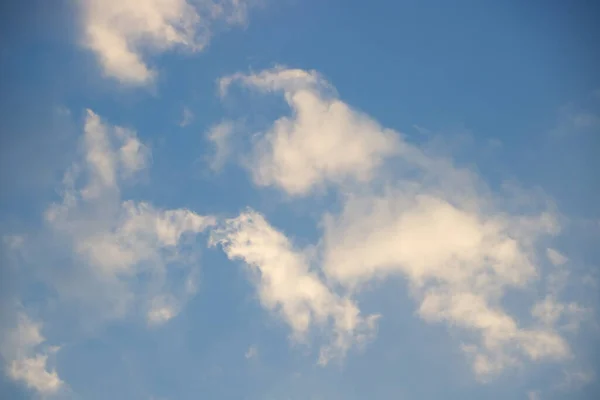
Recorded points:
259,199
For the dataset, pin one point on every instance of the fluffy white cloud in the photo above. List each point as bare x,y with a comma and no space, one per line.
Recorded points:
458,262
324,141
288,286
25,361
121,32
120,243
460,245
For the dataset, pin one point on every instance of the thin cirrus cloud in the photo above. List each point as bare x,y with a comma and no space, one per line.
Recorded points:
123,33
460,246
325,141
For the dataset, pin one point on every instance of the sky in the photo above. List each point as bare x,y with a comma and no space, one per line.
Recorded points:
299,199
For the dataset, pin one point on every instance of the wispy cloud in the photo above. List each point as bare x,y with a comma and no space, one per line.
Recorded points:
325,141
117,240
220,136
26,359
576,379
458,261
534,395
119,257
252,352
187,117
288,287
556,257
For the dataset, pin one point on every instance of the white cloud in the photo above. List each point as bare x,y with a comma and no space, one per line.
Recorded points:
13,242
460,246
324,141
124,255
252,352
220,136
458,259
548,311
426,237
25,362
576,379
187,117
552,311
555,257
122,32
585,120
33,371
534,395
118,241
573,119
287,286
162,309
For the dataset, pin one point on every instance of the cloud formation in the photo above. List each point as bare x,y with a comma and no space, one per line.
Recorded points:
458,263
220,137
25,358
287,286
324,141
460,245
123,32
117,257
121,241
